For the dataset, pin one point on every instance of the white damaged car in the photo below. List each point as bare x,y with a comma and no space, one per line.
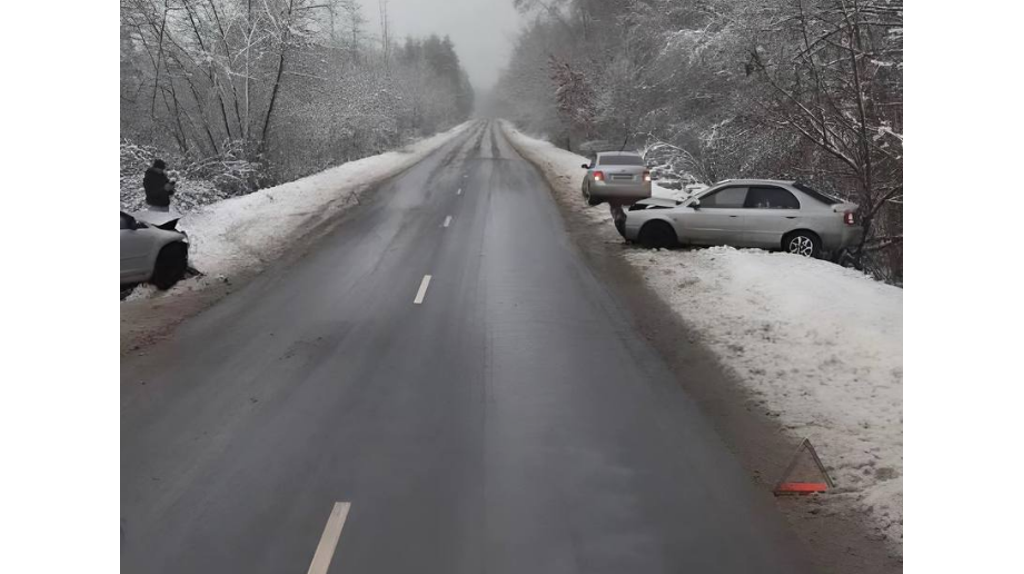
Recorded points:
763,213
152,249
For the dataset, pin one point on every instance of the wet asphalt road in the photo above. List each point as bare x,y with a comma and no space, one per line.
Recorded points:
514,422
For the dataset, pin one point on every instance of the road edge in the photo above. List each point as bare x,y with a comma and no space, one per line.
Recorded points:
837,537
146,321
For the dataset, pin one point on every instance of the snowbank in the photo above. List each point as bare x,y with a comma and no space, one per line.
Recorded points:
820,346
243,233
249,230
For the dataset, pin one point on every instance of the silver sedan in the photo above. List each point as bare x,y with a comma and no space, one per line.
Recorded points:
763,213
618,176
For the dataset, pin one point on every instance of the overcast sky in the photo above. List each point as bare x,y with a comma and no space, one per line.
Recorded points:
482,30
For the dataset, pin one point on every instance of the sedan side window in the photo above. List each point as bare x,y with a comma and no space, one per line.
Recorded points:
770,198
730,197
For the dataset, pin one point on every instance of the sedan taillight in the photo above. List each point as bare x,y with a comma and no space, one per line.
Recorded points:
849,218
647,176
598,176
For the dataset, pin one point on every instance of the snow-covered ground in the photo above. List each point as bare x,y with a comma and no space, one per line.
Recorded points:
243,233
818,344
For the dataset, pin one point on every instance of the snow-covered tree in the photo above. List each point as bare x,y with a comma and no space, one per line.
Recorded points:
289,86
803,89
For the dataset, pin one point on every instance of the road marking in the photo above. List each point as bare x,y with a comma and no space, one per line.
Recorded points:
459,192
329,539
423,290
447,221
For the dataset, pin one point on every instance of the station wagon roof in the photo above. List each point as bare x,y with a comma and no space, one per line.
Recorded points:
755,182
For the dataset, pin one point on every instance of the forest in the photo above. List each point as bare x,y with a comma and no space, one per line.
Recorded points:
715,89
241,94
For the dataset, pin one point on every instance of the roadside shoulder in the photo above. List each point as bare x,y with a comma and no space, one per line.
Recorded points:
770,363
235,239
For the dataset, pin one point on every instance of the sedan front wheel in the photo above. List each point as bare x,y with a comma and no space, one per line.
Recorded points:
657,235
171,264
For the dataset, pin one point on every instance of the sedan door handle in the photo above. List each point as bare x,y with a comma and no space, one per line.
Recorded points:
790,217
733,216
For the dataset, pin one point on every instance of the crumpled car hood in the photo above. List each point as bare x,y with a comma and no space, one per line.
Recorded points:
162,219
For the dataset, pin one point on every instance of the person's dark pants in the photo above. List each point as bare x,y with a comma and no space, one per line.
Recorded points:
618,217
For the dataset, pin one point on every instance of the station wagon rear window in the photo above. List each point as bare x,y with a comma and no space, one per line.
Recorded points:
729,197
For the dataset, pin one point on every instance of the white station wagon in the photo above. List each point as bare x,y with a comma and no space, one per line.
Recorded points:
763,213
152,249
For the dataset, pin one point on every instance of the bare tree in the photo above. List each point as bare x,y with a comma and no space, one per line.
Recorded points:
805,89
241,93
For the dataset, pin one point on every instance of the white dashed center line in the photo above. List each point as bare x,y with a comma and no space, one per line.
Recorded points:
422,293
459,192
329,539
447,221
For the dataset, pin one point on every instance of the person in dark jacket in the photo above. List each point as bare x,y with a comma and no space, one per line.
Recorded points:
158,187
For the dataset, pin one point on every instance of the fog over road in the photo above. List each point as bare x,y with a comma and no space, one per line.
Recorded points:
503,416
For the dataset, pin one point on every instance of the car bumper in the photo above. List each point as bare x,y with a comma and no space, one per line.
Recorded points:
628,193
851,236
848,236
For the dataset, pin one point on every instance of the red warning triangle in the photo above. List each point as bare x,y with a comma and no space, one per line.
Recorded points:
805,473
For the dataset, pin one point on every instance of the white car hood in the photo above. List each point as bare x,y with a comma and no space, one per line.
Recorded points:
659,202
156,218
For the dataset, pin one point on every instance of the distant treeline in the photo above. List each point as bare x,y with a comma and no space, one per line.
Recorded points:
251,93
715,89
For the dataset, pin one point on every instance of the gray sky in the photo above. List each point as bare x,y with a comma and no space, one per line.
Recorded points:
482,30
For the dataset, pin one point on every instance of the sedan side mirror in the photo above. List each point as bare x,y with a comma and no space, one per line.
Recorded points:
585,166
695,204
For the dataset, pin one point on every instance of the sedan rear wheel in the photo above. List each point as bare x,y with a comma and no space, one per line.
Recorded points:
802,243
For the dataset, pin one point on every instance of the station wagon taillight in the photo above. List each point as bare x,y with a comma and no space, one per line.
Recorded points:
849,218
598,176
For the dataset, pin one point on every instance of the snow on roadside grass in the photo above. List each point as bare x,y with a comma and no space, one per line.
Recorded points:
246,231
243,233
820,346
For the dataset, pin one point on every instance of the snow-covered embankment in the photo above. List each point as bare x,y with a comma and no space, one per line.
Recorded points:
819,345
244,231
241,234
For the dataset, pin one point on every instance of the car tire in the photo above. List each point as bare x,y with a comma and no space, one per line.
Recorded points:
804,243
657,235
170,267
589,199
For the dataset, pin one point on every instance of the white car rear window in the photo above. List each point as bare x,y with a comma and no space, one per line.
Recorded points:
620,159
